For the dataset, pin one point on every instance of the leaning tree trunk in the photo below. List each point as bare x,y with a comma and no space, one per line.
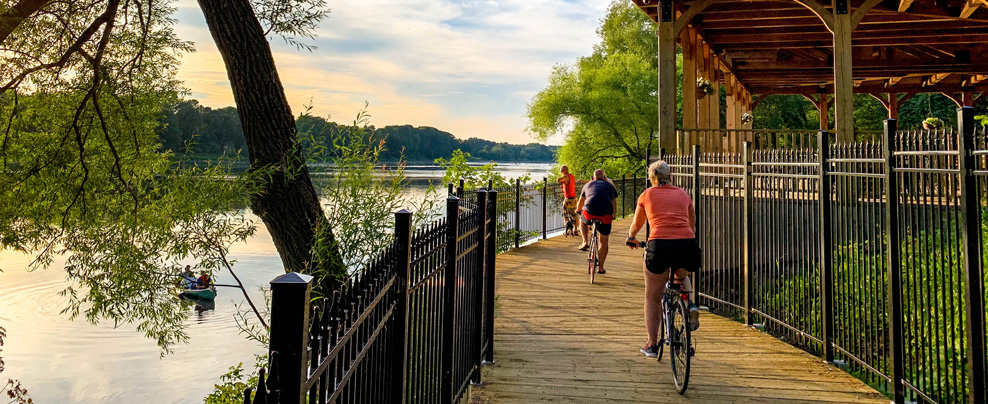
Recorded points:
287,202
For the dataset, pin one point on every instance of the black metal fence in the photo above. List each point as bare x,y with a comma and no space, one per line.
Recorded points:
414,326
528,211
892,288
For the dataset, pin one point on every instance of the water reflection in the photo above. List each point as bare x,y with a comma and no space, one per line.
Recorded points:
63,361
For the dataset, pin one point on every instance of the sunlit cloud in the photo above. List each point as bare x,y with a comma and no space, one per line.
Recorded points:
469,67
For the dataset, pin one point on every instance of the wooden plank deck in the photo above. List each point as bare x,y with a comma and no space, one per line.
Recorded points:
560,339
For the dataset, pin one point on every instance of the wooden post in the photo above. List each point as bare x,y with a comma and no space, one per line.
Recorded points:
893,272
843,77
826,246
688,42
478,287
893,105
730,120
703,112
823,105
449,300
290,296
667,75
714,100
489,268
974,277
403,267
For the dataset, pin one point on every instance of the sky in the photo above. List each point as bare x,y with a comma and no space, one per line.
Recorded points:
468,67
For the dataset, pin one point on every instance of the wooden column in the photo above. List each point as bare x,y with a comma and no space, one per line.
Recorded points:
714,100
731,121
893,106
843,78
703,112
667,76
823,105
967,99
687,41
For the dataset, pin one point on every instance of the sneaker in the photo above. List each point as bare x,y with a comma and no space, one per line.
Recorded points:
694,317
651,351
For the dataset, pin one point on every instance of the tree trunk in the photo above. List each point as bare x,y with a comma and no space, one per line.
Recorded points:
287,202
13,17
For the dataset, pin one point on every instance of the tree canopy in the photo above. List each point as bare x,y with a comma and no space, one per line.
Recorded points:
605,103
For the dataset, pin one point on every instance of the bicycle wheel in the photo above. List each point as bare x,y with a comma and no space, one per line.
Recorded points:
662,339
679,345
592,256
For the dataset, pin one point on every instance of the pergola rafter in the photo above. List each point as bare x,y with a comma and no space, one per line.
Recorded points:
809,47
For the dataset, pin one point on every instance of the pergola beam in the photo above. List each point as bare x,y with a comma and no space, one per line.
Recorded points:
970,6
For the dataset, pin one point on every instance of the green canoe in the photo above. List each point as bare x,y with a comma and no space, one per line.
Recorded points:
207,294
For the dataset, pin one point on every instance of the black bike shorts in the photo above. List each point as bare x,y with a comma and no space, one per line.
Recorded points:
662,254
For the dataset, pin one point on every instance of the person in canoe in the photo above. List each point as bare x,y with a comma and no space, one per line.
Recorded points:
204,281
188,278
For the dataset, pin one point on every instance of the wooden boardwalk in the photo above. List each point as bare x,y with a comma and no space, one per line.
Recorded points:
560,339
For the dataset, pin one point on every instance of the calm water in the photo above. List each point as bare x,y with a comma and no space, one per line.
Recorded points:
63,361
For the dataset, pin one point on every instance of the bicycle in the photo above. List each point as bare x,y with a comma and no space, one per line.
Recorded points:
676,332
593,260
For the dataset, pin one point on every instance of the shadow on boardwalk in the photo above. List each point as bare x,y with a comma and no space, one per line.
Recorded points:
560,339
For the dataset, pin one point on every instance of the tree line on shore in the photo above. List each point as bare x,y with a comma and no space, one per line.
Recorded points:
188,127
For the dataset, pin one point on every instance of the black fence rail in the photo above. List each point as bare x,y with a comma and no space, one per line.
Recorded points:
871,253
414,326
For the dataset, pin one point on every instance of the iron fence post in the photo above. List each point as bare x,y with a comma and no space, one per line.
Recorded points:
697,202
290,295
517,212
545,210
489,282
403,260
478,290
459,189
450,192
971,238
826,247
696,188
894,275
624,194
449,299
748,203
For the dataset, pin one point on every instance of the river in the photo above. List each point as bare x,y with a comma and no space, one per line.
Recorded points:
71,361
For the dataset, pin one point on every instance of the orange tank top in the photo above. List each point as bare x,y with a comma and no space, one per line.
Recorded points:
569,188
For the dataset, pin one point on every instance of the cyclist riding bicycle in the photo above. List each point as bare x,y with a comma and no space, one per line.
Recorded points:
569,196
671,245
598,201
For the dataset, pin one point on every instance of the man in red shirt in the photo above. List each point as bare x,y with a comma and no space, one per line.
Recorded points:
569,194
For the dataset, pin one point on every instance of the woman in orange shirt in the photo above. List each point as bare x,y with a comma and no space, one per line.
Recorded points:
671,246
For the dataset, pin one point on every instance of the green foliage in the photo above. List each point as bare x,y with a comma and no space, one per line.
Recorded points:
202,133
187,127
457,168
232,384
605,103
361,194
785,112
935,123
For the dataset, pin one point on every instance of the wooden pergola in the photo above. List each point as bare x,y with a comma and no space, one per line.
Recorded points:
891,49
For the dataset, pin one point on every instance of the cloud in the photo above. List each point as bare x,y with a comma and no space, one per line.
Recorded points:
469,67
